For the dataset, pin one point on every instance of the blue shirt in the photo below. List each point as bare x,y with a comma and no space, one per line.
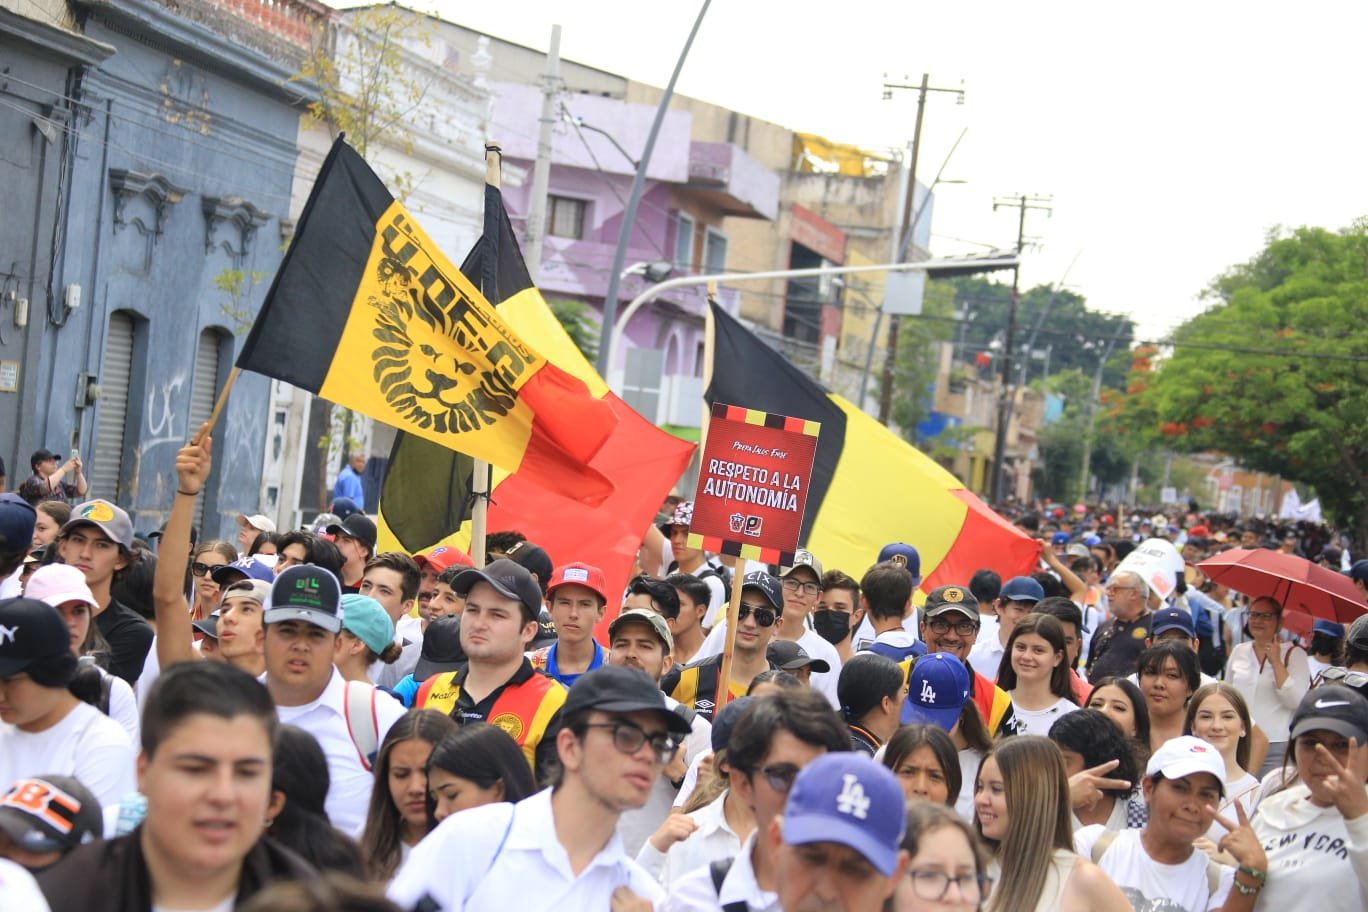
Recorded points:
553,667
349,485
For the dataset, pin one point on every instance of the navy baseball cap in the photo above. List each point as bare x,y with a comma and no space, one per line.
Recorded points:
937,689
1060,538
1021,589
904,555
725,720
17,517
1167,619
1328,628
768,586
242,568
1359,571
849,799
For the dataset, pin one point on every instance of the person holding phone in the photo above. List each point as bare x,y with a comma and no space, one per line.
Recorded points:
48,481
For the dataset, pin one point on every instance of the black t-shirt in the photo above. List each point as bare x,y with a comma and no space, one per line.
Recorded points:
1116,648
129,638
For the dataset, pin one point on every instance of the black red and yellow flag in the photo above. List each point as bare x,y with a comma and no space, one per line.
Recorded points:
869,487
366,312
422,503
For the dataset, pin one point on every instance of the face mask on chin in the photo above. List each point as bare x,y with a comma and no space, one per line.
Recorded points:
832,626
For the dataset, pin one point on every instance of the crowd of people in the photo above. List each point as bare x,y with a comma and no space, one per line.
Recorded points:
293,721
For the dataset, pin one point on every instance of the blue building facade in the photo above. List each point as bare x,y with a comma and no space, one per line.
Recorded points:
176,212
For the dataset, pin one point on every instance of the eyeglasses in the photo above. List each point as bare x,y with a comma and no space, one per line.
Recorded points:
808,588
934,885
200,569
1262,615
963,628
629,738
764,617
1338,675
1112,590
780,776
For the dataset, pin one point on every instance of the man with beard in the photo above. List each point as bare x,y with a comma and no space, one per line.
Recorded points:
950,623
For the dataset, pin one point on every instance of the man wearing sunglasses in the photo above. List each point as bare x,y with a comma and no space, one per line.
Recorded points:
775,738
950,622
762,605
616,737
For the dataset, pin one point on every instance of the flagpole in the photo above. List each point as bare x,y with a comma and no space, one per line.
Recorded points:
218,407
734,604
479,478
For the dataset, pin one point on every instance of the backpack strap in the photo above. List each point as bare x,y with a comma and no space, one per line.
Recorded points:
1103,843
363,724
1213,878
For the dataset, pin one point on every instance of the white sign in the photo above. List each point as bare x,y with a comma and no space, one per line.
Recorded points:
1157,562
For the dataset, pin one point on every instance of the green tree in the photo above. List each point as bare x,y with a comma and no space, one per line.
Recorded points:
583,331
1275,372
918,360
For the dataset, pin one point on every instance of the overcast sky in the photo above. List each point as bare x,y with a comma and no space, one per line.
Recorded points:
1171,136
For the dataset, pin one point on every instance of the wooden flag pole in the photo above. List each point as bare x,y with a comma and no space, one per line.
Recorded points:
218,407
479,477
724,673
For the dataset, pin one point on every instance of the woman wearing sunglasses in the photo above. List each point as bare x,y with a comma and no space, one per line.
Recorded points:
208,555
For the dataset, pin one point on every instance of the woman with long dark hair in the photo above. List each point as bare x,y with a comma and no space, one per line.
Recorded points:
398,817
1035,674
297,818
476,765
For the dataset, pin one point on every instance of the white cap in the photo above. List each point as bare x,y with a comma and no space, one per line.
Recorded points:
57,584
1185,755
258,521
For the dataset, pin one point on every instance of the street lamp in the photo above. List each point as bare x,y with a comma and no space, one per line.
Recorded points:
654,273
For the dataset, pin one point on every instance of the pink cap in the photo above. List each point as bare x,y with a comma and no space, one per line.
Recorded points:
58,584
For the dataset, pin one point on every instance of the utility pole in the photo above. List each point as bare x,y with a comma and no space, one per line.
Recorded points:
909,222
1084,473
1021,202
541,171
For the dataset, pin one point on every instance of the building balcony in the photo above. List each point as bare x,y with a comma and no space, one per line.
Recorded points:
725,176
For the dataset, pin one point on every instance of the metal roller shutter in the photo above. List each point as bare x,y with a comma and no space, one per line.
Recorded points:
203,391
107,468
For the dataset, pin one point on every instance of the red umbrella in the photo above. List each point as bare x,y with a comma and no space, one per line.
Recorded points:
1294,582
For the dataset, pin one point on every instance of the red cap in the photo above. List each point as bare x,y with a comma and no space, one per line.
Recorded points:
441,558
1107,520
1199,532
586,575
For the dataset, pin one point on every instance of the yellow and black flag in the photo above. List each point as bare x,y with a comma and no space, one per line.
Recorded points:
366,312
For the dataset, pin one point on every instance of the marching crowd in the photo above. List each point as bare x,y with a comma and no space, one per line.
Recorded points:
293,721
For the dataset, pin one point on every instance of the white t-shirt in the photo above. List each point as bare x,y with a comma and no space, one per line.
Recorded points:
18,890
1038,721
326,719
969,760
1316,858
123,707
86,744
986,655
1244,790
1149,885
812,643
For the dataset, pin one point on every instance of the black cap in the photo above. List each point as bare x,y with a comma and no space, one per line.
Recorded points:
207,626
1335,708
35,639
42,454
306,592
535,559
441,648
509,579
767,586
619,689
944,599
788,655
724,720
358,526
50,814
546,631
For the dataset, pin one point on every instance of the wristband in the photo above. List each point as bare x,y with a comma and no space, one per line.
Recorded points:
1247,891
187,493
1256,874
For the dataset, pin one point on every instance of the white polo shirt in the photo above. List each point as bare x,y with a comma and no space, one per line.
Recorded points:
504,856
694,892
350,782
713,839
637,825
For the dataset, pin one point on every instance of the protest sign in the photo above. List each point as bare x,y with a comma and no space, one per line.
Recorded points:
1155,561
753,484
